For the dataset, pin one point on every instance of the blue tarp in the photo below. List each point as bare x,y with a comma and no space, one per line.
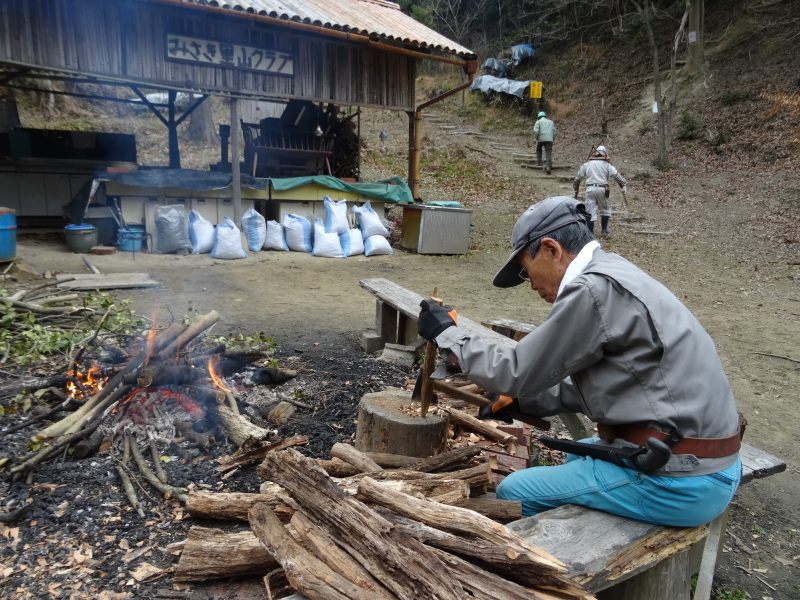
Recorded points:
520,53
394,189
487,83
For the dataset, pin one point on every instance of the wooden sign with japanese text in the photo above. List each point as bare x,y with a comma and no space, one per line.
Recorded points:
194,50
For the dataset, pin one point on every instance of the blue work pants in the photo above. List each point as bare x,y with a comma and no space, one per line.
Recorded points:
676,501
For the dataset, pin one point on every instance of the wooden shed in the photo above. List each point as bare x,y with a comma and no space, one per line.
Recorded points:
356,53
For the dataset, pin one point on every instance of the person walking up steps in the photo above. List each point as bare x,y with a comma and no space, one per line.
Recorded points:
544,132
598,172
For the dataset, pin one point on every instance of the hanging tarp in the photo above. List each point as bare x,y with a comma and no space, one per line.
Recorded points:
487,83
392,190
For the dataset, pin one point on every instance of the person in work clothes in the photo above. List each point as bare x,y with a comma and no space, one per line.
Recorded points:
620,348
598,173
544,132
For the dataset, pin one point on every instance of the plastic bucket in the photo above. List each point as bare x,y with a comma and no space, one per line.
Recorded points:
130,238
8,235
80,238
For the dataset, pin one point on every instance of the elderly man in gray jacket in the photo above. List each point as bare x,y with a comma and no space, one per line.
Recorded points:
620,348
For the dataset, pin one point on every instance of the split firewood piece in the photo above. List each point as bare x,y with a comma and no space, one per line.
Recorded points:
402,564
477,478
233,505
484,585
340,468
157,373
446,460
358,459
482,427
458,520
195,328
492,557
211,553
207,396
241,431
504,511
307,574
257,454
324,547
281,413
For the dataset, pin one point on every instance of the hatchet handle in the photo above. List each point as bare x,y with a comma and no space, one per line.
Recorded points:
429,365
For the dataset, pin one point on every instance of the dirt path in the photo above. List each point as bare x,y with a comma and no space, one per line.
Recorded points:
742,287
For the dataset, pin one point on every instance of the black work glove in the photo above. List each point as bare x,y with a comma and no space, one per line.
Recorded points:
434,319
499,408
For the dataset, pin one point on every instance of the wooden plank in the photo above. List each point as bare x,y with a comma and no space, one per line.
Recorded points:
757,463
601,549
407,302
106,281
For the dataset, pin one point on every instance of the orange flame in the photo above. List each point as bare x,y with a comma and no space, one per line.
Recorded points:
91,381
151,335
212,371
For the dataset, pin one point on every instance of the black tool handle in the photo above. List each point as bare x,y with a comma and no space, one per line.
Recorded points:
657,456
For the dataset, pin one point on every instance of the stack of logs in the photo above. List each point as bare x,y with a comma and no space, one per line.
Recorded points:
410,532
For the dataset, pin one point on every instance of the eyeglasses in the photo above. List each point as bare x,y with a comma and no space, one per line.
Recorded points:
523,274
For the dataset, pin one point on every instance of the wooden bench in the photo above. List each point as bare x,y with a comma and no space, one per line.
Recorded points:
614,557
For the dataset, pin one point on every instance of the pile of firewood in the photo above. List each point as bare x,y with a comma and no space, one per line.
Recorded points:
416,531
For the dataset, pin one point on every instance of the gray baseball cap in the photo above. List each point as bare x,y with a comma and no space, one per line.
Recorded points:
540,219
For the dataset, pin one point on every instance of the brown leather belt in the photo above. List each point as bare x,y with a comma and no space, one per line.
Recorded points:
699,447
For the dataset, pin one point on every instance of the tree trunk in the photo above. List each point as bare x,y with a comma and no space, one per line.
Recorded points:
212,553
201,125
697,58
384,427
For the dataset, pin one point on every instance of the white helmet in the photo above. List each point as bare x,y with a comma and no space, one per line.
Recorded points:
601,150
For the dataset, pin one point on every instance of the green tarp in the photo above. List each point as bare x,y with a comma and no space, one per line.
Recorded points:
394,189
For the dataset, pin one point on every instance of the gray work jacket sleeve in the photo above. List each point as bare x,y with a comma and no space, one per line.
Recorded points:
537,369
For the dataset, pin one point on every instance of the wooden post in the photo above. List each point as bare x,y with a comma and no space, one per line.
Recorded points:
236,185
172,128
384,427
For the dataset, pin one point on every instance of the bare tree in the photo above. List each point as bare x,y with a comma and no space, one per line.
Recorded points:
201,124
455,18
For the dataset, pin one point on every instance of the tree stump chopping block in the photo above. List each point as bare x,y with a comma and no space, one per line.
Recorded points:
384,427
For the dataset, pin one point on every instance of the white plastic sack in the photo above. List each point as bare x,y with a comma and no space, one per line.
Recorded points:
276,237
326,244
298,233
255,229
201,233
172,228
369,222
228,241
335,215
377,244
352,242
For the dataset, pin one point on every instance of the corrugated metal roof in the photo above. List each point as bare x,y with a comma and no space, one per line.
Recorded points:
366,17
